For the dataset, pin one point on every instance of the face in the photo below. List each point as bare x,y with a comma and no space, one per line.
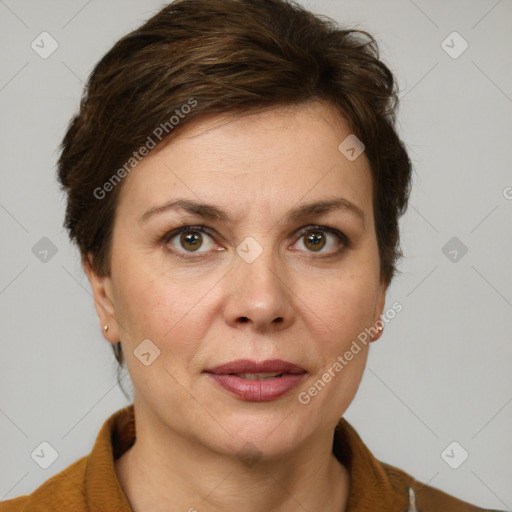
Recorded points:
255,276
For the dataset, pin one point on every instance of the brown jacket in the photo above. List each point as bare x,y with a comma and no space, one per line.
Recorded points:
91,484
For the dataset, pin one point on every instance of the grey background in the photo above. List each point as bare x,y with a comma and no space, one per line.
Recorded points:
440,372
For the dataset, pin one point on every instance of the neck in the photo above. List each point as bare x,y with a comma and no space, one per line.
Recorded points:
165,471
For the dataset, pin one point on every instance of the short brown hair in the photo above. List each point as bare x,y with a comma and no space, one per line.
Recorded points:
227,56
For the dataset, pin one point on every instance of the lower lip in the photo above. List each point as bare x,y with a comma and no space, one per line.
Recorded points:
258,390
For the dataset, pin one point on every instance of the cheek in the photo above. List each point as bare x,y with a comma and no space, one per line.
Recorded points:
337,316
341,306
169,311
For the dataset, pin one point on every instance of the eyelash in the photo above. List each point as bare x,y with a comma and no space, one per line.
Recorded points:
345,242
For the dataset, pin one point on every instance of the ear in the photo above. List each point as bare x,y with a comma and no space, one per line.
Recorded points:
103,300
379,309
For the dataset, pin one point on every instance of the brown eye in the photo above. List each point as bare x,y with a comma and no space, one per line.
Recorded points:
191,240
315,240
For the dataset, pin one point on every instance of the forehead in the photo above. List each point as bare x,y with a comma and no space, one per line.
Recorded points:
267,161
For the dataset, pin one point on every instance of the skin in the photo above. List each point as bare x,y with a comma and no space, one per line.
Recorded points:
293,303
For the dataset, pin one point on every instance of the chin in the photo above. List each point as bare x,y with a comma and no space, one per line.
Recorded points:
275,432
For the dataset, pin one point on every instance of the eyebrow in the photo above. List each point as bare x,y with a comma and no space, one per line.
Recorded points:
212,212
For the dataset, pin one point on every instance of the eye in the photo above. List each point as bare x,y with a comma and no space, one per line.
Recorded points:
189,239
316,238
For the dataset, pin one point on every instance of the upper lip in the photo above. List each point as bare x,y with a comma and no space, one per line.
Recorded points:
249,366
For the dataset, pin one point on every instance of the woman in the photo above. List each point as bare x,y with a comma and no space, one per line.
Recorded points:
234,183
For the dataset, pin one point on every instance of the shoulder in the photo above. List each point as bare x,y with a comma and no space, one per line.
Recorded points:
63,491
91,482
376,485
424,498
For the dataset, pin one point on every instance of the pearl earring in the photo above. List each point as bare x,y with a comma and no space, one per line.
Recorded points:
105,328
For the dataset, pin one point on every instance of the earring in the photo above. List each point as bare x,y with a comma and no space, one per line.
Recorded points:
380,328
105,328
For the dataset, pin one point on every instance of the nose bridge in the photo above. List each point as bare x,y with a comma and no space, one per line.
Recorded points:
257,263
258,293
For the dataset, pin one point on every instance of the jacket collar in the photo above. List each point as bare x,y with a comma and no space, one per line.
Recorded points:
102,488
373,484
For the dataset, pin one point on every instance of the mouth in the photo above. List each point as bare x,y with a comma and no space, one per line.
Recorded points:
257,381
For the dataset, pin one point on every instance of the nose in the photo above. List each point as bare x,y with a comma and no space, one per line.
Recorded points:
258,295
